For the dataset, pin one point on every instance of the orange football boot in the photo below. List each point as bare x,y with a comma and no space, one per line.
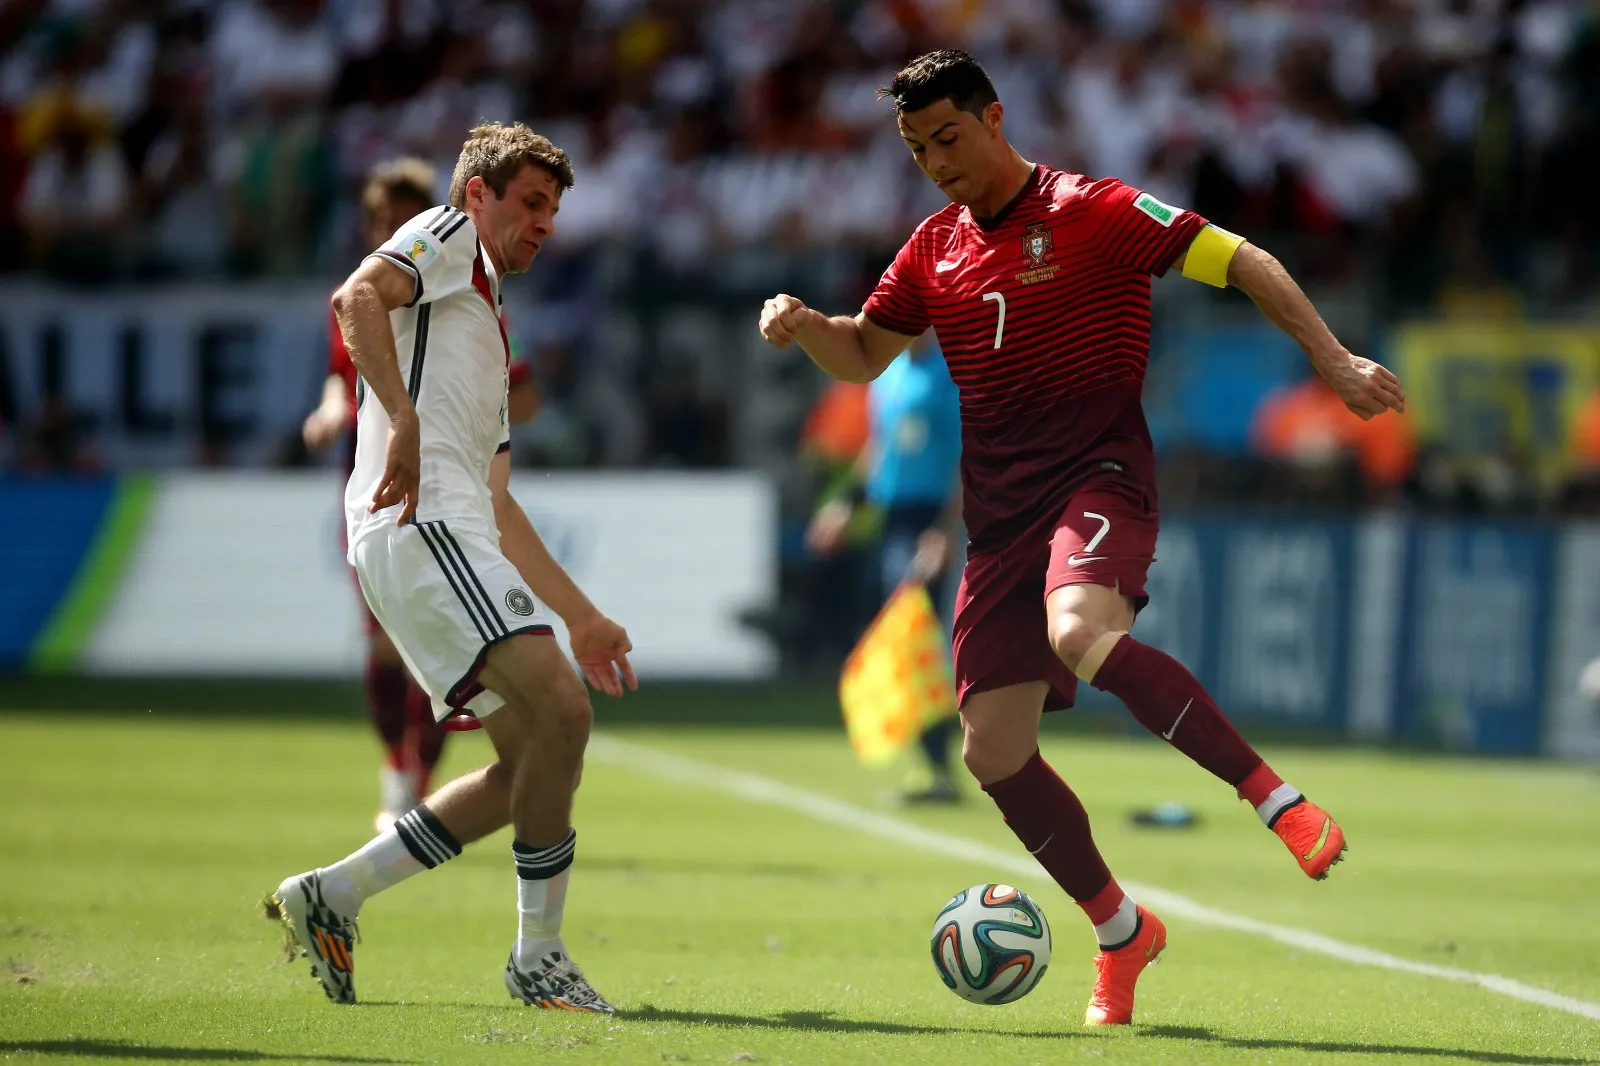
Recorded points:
1312,836
1118,971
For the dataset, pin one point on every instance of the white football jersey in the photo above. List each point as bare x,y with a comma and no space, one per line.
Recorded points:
455,360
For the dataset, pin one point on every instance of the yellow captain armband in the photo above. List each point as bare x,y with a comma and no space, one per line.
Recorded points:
1208,257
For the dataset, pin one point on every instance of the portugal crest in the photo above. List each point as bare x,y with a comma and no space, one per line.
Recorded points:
1037,244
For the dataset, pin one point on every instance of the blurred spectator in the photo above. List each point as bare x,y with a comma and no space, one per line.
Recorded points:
1462,125
1581,494
76,200
52,442
1392,152
560,434
685,426
1335,457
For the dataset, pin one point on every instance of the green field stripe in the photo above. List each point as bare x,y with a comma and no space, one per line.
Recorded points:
59,646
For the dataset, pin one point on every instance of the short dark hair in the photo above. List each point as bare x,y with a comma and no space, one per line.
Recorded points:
948,74
407,179
497,152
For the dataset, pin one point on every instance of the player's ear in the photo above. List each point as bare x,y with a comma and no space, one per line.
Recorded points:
993,116
476,189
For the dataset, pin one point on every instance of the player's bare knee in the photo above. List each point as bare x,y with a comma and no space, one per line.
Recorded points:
1072,635
572,715
992,754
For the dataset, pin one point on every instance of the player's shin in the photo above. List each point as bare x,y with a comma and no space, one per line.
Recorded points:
1047,816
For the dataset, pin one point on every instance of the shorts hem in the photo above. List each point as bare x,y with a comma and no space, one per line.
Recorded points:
1133,590
464,690
1054,698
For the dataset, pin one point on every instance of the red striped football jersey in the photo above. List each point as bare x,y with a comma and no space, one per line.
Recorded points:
1043,313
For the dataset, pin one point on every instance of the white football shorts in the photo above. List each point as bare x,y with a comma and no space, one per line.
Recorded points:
445,595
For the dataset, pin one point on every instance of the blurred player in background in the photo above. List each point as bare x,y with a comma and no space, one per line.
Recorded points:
400,710
450,566
908,472
1038,283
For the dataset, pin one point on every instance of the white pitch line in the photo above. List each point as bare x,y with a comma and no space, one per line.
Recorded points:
671,767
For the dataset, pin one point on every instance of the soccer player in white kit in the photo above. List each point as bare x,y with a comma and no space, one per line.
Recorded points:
454,571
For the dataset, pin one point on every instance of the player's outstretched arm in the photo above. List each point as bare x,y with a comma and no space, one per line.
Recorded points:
361,306
327,420
851,348
1366,387
599,644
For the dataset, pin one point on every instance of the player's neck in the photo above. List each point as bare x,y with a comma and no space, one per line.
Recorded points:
1014,176
490,250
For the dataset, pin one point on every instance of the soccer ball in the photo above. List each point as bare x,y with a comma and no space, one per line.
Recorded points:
991,944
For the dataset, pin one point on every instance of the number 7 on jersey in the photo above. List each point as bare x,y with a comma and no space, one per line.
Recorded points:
1000,324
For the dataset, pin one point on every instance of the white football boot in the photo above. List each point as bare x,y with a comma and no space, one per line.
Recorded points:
317,932
558,984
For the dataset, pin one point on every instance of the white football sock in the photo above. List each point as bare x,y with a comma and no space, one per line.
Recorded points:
417,842
1278,800
541,898
1120,927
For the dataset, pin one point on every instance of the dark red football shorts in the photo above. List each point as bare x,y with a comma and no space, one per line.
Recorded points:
1106,535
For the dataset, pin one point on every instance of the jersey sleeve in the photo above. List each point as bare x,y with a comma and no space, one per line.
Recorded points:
896,304
437,249
1133,229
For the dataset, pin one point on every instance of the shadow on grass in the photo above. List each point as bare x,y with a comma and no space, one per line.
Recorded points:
1181,1032
114,1049
802,871
811,1020
823,1022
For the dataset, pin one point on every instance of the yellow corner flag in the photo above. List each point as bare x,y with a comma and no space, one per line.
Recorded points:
898,680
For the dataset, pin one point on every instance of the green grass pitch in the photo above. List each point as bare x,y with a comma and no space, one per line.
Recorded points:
134,849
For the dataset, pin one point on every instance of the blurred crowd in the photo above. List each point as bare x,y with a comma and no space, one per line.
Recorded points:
1461,138
1408,151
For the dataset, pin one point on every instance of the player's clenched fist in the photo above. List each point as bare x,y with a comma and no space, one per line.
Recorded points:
784,316
1366,387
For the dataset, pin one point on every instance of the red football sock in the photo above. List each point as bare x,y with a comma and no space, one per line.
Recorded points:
425,737
386,704
1051,823
1258,785
1168,701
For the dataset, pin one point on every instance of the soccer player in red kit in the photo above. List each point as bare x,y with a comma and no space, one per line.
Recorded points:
1037,282
400,711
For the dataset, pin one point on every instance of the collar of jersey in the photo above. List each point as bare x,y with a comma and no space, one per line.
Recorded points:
1001,215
